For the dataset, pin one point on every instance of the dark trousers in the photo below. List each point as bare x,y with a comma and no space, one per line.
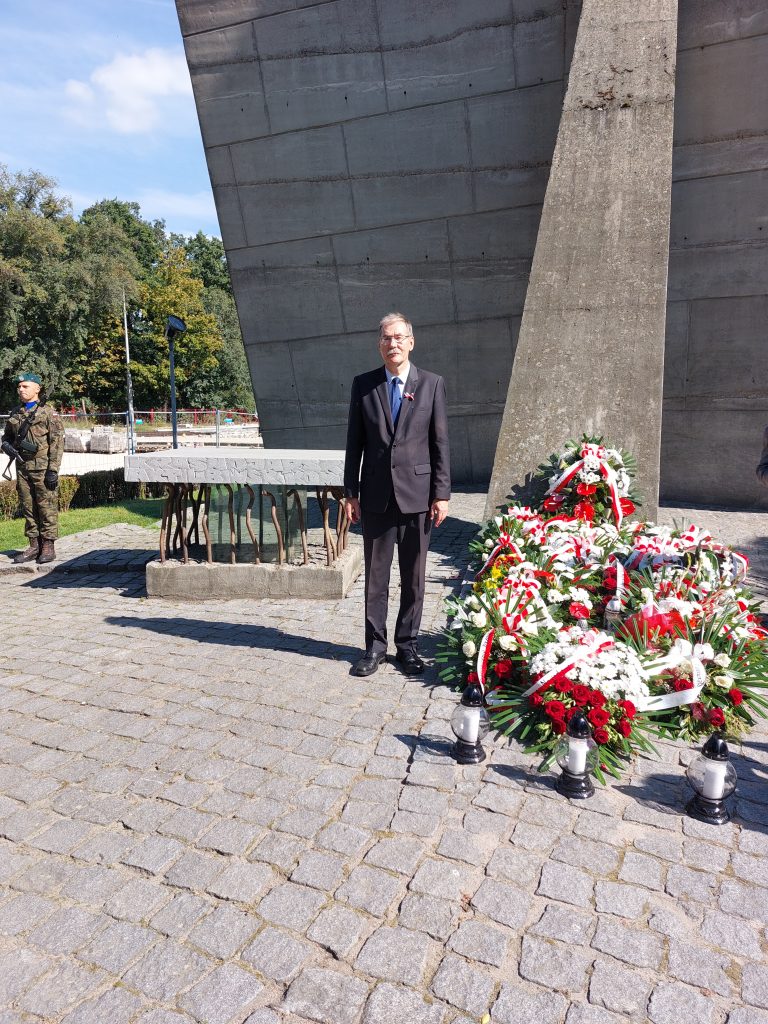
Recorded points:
381,531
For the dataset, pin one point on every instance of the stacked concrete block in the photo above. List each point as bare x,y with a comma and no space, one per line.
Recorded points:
76,440
105,441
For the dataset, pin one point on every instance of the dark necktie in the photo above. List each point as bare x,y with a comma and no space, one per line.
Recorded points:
395,399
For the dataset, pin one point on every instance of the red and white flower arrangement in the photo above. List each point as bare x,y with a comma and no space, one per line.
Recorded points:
649,628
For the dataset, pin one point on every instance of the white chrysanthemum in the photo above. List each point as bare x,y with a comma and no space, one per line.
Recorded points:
468,649
616,671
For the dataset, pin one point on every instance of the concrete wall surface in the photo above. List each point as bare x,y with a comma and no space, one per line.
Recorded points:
370,155
715,380
375,154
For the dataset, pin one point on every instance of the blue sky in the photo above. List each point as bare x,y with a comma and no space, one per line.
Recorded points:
96,94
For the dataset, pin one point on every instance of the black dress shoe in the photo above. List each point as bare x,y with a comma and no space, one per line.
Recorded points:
410,663
368,664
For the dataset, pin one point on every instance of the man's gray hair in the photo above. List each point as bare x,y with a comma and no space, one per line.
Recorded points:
392,318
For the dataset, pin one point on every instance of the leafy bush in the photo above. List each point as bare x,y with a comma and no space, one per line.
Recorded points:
68,486
102,487
9,500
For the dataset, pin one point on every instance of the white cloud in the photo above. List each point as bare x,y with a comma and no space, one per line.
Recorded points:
134,94
158,203
184,212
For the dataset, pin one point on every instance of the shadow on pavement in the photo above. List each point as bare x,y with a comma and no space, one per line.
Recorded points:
128,581
232,634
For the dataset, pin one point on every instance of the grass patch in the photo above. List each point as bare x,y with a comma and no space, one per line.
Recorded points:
138,512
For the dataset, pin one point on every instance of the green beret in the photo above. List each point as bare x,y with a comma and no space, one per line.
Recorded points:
32,377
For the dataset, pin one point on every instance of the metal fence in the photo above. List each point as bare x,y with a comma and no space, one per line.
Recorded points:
153,426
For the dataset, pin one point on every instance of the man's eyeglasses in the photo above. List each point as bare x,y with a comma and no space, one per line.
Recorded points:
394,337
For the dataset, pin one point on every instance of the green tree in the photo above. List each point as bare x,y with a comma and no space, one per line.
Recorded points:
208,260
36,328
146,238
233,379
62,284
173,289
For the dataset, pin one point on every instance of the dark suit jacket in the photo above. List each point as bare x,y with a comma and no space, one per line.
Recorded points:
411,460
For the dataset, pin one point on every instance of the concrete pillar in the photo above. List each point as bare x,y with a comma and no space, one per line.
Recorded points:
590,355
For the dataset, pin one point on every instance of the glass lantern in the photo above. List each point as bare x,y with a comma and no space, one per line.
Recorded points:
713,779
470,724
574,755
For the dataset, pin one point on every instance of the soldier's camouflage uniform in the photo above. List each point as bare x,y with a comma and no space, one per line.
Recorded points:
39,506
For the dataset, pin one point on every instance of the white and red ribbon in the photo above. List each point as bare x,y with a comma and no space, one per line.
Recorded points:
677,655
504,544
597,452
483,656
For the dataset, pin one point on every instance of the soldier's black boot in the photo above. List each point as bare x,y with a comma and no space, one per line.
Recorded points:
30,554
47,552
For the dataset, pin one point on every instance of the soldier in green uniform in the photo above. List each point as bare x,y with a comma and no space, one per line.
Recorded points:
35,432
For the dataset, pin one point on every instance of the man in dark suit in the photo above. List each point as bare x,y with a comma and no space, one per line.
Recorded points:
398,426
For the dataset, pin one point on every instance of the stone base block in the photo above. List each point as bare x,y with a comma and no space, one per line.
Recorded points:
201,581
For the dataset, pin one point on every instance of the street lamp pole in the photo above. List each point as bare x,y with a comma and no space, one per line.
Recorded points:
174,325
129,384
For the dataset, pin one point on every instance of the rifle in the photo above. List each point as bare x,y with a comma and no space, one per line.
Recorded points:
7,449
23,449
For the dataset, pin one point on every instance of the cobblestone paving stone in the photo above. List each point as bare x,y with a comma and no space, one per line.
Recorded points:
204,818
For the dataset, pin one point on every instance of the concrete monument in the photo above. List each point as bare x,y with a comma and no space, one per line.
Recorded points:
377,154
590,356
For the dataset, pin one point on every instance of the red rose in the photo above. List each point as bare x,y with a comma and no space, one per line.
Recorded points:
610,578
682,684
558,726
600,736
553,502
580,694
584,510
563,685
578,611
698,711
627,506
555,709
598,716
736,696
585,489
716,717
473,677
535,699
596,698
504,669
628,708
624,727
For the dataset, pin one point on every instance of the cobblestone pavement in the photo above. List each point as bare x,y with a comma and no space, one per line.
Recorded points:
204,818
